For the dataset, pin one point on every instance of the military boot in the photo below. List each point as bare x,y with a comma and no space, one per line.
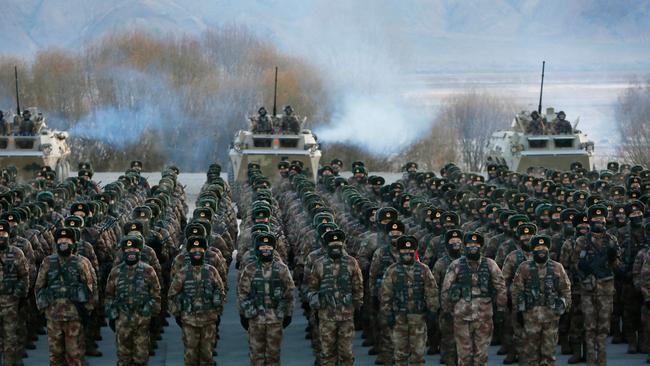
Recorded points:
565,346
510,358
502,350
576,356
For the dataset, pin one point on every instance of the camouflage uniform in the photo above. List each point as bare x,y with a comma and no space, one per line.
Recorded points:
543,293
196,295
409,294
468,291
335,291
13,289
63,283
445,320
592,262
265,297
132,298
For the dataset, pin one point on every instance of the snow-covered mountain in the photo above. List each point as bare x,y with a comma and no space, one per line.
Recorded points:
438,31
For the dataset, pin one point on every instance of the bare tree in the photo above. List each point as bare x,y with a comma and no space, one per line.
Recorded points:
473,116
633,123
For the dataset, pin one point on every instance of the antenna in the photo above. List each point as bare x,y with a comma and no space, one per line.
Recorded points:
541,90
275,92
17,95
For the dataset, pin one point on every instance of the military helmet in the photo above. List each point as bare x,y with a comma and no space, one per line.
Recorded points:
597,211
407,242
132,241
73,222
196,242
473,237
453,233
63,232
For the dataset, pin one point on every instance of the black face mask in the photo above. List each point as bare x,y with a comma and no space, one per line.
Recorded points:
525,245
556,225
266,255
636,221
540,256
453,250
64,249
407,258
597,227
4,242
335,251
131,258
473,253
196,258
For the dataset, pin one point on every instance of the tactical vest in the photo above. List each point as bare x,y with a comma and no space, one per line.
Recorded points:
131,295
10,283
401,289
598,259
520,258
65,282
198,295
276,288
386,261
335,290
462,289
533,296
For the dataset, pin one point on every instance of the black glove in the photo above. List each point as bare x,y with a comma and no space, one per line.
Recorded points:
498,317
390,320
286,321
243,321
432,317
584,267
179,321
520,318
111,324
612,254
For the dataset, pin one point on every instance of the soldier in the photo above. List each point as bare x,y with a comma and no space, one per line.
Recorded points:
409,295
513,332
265,297
196,297
454,244
335,292
594,257
13,290
64,290
471,285
561,125
27,125
132,299
541,293
289,122
262,123
535,125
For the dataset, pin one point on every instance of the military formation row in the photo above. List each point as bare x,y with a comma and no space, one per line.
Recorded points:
75,257
449,262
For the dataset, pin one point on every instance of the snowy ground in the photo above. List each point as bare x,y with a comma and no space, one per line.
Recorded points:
233,346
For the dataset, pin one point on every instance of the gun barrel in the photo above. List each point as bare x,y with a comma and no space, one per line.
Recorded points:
541,89
17,94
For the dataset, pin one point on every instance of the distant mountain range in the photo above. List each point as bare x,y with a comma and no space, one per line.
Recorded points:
485,33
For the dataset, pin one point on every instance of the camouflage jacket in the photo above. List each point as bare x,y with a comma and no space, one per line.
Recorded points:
265,292
204,286
546,300
337,285
408,290
14,283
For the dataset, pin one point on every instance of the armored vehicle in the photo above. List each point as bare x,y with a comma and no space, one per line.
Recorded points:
268,149
28,152
519,149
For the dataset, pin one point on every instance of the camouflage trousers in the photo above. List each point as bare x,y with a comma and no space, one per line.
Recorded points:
336,342
538,345
315,338
645,339
632,302
264,341
199,342
10,341
65,343
472,341
597,309
513,333
576,328
132,341
409,340
447,341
